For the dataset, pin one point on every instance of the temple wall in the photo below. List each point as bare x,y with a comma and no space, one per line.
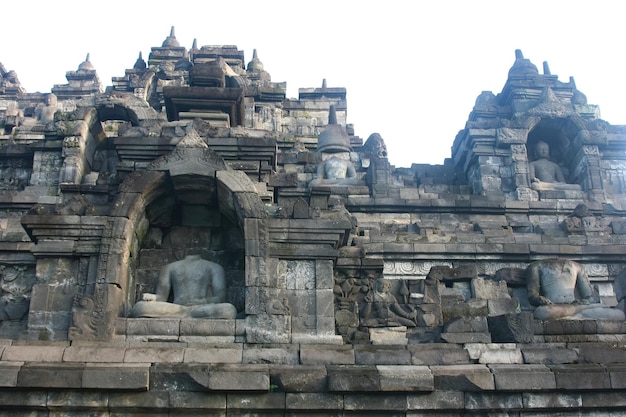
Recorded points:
352,287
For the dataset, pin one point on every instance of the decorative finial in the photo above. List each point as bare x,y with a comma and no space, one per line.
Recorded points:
546,68
86,65
572,82
194,45
171,41
140,64
254,54
324,83
519,54
332,115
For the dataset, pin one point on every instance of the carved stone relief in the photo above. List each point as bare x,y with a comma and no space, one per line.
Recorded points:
16,284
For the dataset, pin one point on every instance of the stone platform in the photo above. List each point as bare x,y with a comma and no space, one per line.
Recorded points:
174,378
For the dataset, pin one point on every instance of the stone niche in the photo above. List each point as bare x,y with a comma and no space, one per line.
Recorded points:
186,202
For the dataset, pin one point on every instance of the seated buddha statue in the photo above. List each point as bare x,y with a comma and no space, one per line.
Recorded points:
198,289
545,174
560,289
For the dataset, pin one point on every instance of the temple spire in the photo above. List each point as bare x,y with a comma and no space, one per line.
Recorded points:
546,68
171,41
332,115
140,63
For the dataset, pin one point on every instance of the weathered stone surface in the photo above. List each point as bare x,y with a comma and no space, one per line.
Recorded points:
226,353
239,378
136,354
353,378
501,306
94,354
489,290
523,377
602,354
437,400
508,328
116,376
33,353
23,399
552,355
206,327
323,354
463,378
299,378
78,400
179,377
493,401
551,400
405,378
467,325
313,401
443,354
9,372
45,375
378,402
152,401
197,401
265,401
388,336
466,337
381,355
617,374
581,377
611,400
270,354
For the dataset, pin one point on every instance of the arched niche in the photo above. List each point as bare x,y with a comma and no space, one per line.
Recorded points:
90,150
188,199
554,132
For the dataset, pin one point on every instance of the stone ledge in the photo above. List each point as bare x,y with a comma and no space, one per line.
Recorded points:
330,378
453,403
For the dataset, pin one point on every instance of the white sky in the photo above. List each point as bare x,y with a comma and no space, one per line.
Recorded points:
412,69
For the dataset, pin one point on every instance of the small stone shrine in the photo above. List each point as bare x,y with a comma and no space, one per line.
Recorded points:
190,241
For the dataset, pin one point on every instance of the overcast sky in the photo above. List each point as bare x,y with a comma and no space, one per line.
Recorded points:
412,69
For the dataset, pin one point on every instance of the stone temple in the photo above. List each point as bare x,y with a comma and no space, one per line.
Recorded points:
190,241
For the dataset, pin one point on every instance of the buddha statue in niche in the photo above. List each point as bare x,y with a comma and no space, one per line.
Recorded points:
545,174
198,289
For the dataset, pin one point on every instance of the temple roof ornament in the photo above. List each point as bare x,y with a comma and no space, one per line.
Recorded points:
86,65
522,66
334,138
140,64
171,40
255,64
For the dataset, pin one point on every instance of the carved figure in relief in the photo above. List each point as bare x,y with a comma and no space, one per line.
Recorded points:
198,287
381,308
545,174
15,292
561,290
